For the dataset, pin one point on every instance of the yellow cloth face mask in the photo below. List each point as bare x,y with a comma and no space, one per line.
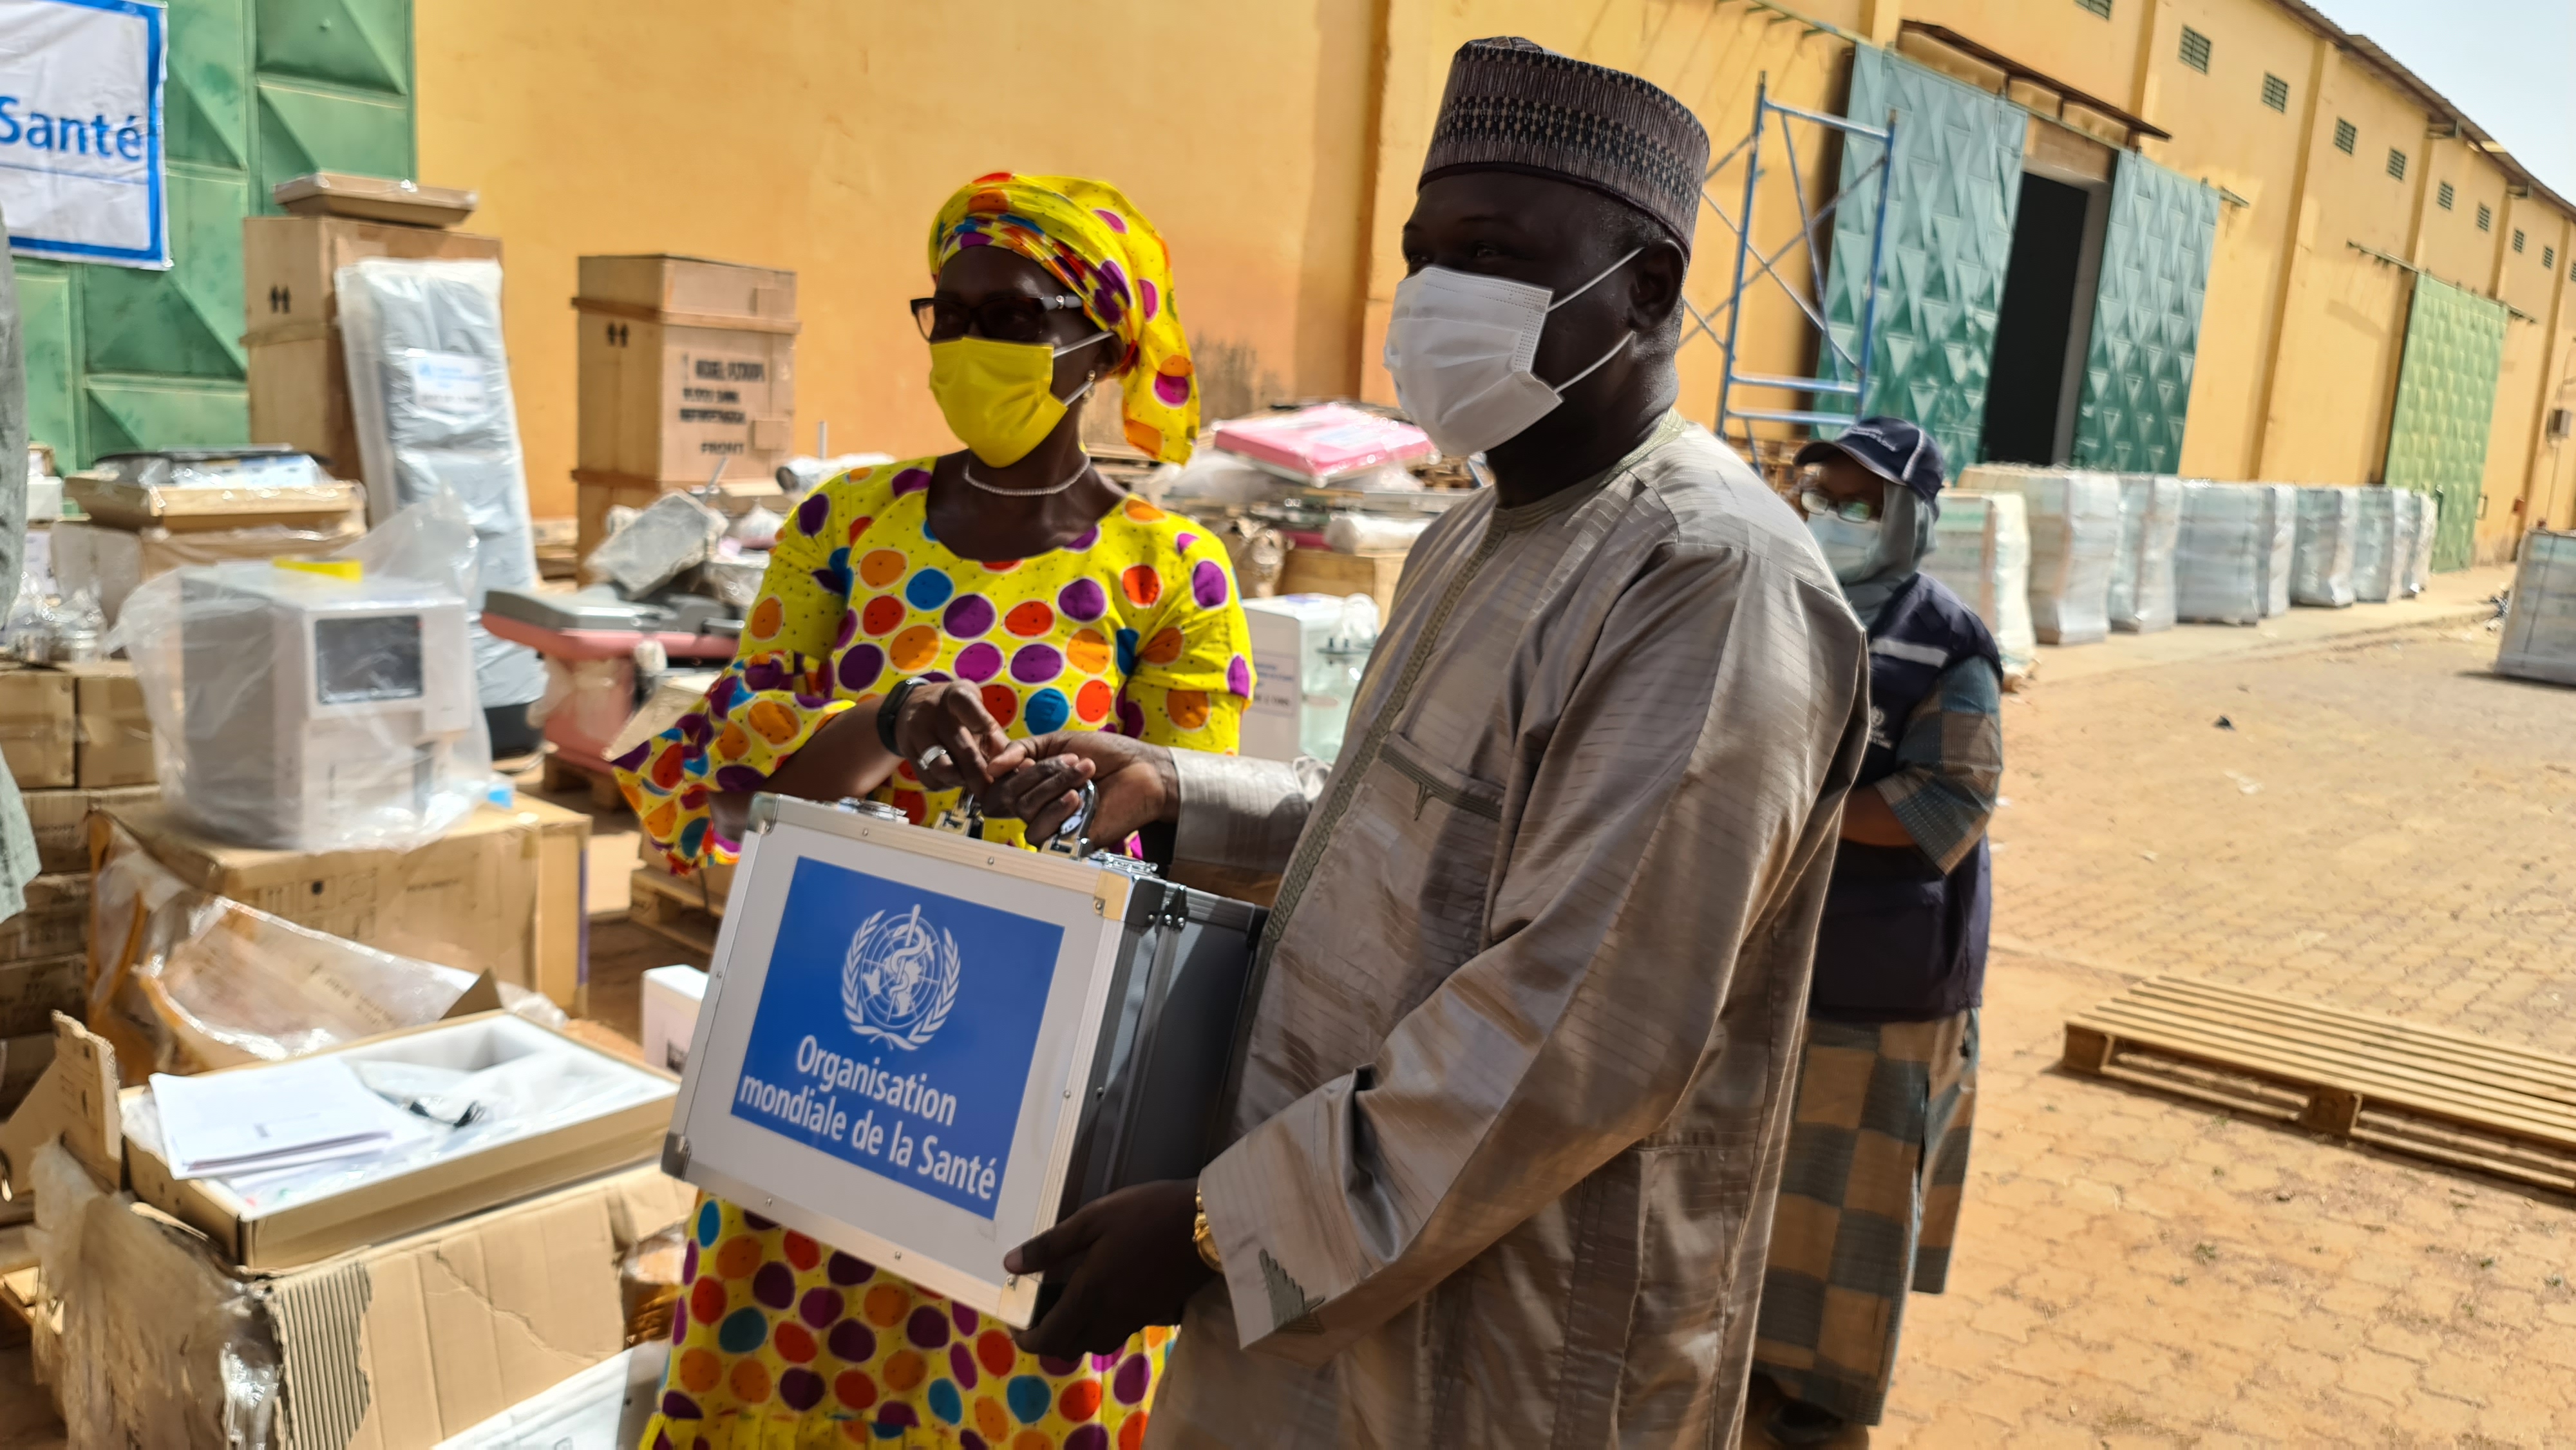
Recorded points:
999,397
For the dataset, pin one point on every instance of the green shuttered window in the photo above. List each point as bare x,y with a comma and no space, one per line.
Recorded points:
2486,217
2397,163
2276,93
2098,7
2346,135
2443,196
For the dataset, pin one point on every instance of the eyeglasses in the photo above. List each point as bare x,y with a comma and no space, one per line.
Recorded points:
1820,504
1013,318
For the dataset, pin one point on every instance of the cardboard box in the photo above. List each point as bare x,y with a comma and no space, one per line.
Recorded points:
321,504
500,893
38,728
301,1232
31,992
23,1059
113,561
394,1347
114,732
299,382
684,364
1321,571
54,921
672,996
376,198
60,820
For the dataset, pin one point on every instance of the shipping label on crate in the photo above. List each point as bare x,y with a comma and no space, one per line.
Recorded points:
725,404
896,1029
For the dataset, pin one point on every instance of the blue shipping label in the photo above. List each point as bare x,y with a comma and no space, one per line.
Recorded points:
896,1029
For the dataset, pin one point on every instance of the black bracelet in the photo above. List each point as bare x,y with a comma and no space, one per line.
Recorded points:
890,707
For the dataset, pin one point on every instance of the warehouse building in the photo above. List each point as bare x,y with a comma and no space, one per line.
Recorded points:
2216,237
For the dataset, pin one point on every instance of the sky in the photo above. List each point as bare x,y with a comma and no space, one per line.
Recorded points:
2507,64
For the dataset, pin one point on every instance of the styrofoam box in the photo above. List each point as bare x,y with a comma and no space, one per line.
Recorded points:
1288,633
671,999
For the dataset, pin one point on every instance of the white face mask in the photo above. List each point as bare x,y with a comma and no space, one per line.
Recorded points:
1460,348
1851,547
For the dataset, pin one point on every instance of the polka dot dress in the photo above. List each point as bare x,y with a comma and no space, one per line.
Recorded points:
1132,626
780,1342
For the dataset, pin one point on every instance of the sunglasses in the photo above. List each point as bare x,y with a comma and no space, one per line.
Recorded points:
1014,318
1820,504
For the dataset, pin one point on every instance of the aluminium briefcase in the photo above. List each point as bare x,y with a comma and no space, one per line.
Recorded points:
923,1049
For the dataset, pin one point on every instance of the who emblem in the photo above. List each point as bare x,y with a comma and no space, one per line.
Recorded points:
899,979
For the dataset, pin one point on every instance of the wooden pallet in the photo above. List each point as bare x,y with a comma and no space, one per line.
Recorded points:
568,773
2447,1096
678,909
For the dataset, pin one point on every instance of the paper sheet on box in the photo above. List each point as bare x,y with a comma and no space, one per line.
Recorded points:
262,1119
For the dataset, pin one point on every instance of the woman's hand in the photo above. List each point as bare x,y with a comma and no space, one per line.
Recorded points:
1138,786
950,717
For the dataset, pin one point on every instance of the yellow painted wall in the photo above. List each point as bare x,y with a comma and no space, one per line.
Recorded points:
2233,140
1277,146
821,135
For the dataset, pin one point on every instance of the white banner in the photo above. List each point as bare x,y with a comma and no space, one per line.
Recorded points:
81,175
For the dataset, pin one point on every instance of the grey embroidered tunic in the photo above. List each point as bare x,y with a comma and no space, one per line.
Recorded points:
1511,1114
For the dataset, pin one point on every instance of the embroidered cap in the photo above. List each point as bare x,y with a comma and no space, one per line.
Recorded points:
1516,106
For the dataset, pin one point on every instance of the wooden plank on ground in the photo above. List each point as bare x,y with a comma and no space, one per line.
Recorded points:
2444,1096
676,910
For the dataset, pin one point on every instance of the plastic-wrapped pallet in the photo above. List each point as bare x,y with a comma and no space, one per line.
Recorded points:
2232,556
1981,549
2322,558
429,384
2428,525
2142,568
2540,628
2074,536
2383,543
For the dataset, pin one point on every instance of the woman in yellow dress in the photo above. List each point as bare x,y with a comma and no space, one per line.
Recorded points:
998,592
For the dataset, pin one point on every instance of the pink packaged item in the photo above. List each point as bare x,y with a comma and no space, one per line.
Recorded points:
1323,442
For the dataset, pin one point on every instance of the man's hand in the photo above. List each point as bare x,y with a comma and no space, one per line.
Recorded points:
951,717
1138,786
1125,1261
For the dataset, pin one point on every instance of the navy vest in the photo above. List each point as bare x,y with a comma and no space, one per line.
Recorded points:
1900,941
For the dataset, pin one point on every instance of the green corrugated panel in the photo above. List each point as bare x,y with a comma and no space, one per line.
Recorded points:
2146,319
302,130
45,303
2446,386
1950,212
128,413
187,321
205,105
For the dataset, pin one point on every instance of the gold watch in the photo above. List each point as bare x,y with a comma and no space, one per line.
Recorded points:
1204,1238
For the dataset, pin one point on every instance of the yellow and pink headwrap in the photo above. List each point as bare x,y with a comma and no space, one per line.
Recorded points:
1096,243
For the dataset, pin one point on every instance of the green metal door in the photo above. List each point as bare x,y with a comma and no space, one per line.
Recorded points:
1950,206
259,91
2446,386
2146,319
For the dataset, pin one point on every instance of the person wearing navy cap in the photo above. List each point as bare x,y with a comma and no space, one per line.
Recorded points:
1878,1146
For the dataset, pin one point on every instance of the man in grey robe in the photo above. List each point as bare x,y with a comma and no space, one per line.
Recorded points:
1509,1120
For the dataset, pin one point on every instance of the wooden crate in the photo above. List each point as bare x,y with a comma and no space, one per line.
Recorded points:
299,379
684,364
2450,1097
1320,571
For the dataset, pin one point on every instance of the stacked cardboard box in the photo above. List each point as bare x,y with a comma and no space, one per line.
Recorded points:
686,364
74,737
502,892
299,383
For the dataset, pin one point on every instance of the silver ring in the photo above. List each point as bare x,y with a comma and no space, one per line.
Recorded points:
932,758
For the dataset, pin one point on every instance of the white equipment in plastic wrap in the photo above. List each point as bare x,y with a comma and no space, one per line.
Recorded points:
2383,542
313,707
2428,525
429,384
2232,561
2540,628
2322,558
2142,567
1981,549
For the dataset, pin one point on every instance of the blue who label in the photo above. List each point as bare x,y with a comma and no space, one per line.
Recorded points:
896,1030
